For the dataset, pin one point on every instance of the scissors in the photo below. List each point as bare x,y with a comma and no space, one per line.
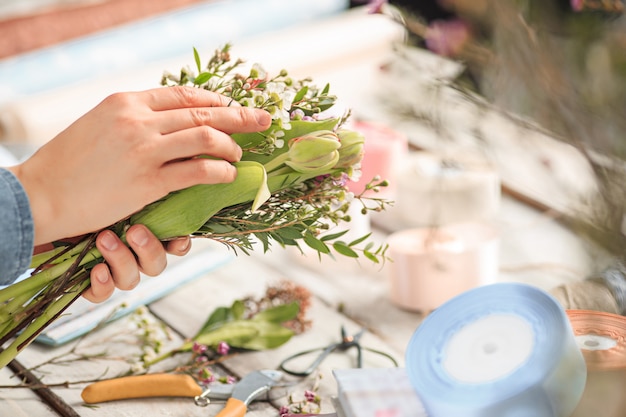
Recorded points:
347,342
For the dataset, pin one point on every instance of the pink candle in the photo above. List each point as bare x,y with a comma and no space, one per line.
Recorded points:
384,147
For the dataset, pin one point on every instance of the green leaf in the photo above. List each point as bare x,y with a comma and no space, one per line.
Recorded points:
333,236
279,314
315,243
269,336
196,57
238,309
220,316
300,94
371,256
326,89
262,236
359,240
344,249
202,78
289,233
235,333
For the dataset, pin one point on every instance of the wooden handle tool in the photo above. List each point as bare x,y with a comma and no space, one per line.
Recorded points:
141,386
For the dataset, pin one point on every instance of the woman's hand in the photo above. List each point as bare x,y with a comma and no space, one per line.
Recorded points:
129,151
123,265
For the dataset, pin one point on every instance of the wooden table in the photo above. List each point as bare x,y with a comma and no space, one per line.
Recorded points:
534,248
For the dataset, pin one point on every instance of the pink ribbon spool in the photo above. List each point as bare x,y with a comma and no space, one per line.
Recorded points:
430,265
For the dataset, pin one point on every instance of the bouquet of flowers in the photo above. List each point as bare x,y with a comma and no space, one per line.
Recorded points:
291,185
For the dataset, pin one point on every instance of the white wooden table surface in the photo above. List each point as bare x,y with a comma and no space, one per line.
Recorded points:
534,248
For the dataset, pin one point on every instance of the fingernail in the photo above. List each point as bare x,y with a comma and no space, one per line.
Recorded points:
108,240
139,236
185,245
102,276
263,118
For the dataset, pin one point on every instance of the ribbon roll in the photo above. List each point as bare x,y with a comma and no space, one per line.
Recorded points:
501,350
601,338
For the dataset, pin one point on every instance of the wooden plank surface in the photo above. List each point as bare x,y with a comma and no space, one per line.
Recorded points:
534,248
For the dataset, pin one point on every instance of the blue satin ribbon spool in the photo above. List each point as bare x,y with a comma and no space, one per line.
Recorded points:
501,350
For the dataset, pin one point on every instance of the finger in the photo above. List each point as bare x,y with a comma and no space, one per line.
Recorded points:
182,174
179,96
151,256
121,261
179,247
226,119
202,140
102,284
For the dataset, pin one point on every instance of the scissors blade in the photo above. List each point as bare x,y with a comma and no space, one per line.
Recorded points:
247,390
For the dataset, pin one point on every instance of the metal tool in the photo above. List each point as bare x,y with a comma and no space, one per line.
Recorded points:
251,387
347,342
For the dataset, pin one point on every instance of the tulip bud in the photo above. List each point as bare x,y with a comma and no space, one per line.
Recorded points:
351,150
314,152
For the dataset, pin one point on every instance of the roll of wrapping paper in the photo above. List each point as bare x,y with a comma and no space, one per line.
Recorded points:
502,350
153,39
438,189
601,338
331,43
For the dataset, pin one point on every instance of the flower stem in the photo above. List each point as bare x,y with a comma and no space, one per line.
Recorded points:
39,324
276,162
35,283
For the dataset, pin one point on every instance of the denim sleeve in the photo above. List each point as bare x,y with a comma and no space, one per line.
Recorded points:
17,230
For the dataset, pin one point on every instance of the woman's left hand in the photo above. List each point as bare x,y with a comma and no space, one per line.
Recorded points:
123,265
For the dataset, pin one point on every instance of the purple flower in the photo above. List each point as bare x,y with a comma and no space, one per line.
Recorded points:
208,380
222,348
447,37
577,5
309,396
198,348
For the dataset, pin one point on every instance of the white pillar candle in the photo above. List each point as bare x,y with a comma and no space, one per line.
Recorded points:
431,265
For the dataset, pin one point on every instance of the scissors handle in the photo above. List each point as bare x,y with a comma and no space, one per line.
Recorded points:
234,408
309,370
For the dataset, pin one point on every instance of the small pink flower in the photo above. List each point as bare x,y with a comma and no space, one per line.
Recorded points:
283,410
222,348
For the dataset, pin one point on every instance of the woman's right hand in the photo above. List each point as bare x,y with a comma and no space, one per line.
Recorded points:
130,150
